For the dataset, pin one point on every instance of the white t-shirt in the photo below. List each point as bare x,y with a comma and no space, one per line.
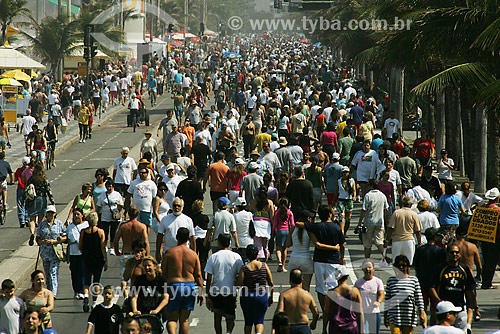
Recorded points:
73,234
428,219
243,219
233,125
470,200
102,202
143,193
223,266
392,126
169,226
27,122
366,165
368,290
124,169
172,184
438,329
205,135
11,311
374,203
444,173
272,160
296,152
301,250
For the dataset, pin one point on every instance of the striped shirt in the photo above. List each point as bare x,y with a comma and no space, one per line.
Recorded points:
402,301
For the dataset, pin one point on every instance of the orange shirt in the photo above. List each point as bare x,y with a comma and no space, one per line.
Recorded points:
189,132
218,180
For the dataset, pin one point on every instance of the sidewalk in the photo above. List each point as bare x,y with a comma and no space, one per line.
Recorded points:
15,154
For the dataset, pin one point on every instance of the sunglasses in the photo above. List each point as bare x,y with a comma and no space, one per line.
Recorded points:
165,189
454,252
177,205
143,172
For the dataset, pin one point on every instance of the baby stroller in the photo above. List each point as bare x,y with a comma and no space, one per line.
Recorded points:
151,319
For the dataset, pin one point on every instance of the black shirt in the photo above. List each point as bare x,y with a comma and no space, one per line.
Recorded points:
427,257
327,233
106,320
5,170
451,282
432,184
189,191
150,293
201,221
201,154
300,195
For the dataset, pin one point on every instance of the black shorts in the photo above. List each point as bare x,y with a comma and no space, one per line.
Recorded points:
215,195
224,305
201,171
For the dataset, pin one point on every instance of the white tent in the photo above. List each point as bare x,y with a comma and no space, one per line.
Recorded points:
12,59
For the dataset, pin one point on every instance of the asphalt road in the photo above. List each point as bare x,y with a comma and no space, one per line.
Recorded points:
78,164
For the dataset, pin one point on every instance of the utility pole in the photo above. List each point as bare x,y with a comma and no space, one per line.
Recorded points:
68,9
59,7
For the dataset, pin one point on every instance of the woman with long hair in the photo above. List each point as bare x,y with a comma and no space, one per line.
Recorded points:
263,214
234,177
300,258
345,192
37,205
40,298
282,223
109,204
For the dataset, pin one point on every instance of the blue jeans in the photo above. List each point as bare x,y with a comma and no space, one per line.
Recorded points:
51,269
372,323
22,214
76,268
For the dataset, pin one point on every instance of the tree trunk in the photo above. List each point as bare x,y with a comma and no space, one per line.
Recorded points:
398,96
59,7
492,172
68,10
481,147
370,79
461,162
440,122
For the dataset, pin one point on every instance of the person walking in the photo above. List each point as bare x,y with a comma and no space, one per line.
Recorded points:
448,207
263,214
84,201
282,223
74,254
92,244
49,236
371,289
296,302
491,251
39,298
110,205
254,277
141,193
22,215
222,223
345,193
404,305
217,175
446,315
123,169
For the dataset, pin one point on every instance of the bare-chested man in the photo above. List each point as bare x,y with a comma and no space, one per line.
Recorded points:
133,267
128,232
469,254
295,302
181,268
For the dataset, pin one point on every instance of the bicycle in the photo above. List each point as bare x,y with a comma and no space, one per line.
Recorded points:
49,158
3,209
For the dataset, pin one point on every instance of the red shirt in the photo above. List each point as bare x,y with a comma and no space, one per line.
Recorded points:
423,147
17,175
320,119
218,180
235,184
397,148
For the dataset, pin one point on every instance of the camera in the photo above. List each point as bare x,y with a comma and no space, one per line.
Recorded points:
360,229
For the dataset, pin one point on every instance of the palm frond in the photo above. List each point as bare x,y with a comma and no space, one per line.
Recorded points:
489,39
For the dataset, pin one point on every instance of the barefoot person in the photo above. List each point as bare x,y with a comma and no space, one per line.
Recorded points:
181,268
296,302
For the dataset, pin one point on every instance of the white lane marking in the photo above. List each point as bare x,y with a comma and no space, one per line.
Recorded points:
350,269
276,297
194,322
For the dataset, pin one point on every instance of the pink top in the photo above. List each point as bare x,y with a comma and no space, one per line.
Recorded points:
26,174
279,225
329,138
388,191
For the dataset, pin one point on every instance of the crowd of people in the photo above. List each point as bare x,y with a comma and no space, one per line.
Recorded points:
284,137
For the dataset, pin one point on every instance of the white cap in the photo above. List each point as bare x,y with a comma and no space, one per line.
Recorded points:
446,306
170,167
335,156
254,165
240,201
492,194
341,272
26,160
51,208
239,161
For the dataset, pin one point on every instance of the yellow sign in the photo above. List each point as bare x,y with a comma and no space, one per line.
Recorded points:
136,6
10,116
11,31
483,225
82,69
9,89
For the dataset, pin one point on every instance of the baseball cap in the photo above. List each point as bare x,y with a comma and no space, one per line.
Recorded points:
170,167
446,306
240,201
51,208
274,135
335,156
26,160
239,161
254,165
345,169
164,156
223,201
49,331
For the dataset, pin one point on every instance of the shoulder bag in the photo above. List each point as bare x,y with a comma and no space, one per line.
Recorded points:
115,215
61,253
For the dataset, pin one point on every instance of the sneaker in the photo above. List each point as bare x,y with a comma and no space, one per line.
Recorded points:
83,141
285,270
112,251
80,296
280,267
80,141
86,306
32,240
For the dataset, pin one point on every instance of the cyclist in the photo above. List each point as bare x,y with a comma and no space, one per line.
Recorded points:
152,89
50,134
134,105
5,171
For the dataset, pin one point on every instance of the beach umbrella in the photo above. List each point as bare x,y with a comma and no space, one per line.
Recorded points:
9,82
16,75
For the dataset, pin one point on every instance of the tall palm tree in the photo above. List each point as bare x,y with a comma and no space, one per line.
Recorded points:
9,10
55,37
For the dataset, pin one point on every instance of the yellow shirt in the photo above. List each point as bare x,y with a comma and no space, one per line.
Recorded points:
340,129
83,116
260,139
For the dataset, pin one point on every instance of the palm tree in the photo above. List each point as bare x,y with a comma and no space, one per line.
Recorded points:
9,10
55,37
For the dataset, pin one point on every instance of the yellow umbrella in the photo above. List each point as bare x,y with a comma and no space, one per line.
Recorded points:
9,82
16,75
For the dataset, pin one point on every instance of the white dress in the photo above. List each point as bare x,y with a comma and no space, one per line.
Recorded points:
162,212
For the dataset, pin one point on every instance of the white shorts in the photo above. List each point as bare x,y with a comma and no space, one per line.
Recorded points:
325,276
123,260
406,247
233,195
3,185
305,265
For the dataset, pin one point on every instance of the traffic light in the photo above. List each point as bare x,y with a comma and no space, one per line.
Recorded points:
86,53
93,51
87,37
170,28
202,28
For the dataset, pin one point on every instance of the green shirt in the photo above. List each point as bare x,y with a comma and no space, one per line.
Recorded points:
345,145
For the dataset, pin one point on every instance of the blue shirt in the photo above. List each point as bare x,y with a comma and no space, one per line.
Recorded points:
332,173
450,206
376,144
178,77
46,232
357,114
152,84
